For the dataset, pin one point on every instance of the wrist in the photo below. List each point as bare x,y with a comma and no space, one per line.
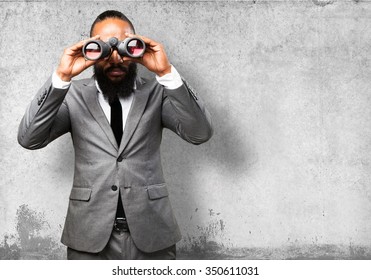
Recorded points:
167,70
172,80
58,82
62,76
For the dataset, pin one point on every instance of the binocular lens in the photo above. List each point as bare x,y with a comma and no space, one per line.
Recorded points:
97,49
135,47
92,51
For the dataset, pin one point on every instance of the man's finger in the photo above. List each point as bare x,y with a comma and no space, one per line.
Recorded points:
80,44
146,40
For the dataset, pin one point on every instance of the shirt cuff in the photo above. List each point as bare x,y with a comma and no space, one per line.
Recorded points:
58,83
171,80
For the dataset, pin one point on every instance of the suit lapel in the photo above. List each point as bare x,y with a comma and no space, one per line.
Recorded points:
140,98
90,97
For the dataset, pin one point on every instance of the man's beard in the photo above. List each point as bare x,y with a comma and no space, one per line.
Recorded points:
112,90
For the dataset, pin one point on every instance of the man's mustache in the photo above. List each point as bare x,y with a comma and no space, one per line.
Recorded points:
117,66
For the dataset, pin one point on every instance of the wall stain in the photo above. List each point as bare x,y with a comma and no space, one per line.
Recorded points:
202,245
32,240
323,3
298,252
30,243
9,250
30,227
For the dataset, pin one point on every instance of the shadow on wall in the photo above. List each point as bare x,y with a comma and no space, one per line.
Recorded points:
230,154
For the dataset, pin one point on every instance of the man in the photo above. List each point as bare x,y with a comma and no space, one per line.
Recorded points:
118,206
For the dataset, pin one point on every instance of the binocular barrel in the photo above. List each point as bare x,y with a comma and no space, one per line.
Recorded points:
97,49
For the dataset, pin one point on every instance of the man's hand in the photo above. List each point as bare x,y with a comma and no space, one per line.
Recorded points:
73,62
154,58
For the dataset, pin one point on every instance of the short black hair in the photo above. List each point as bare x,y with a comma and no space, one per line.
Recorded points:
111,14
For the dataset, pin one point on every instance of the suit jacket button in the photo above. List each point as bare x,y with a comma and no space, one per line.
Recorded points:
114,188
120,158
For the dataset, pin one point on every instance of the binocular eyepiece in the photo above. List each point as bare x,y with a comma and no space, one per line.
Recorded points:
97,49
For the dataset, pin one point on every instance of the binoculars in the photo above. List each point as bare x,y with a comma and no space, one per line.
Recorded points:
97,49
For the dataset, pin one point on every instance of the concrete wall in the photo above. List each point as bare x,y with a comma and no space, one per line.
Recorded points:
288,171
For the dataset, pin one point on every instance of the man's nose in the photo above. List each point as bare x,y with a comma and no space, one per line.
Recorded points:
115,57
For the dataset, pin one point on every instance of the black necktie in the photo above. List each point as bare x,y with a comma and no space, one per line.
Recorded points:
116,119
116,124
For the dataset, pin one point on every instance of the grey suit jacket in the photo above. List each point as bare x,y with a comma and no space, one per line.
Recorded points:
134,166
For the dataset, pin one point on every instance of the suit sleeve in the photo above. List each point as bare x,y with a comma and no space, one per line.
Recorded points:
184,112
46,118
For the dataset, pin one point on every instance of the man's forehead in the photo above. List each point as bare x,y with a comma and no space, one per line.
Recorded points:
112,27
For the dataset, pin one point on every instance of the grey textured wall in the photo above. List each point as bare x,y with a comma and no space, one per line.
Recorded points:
288,171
